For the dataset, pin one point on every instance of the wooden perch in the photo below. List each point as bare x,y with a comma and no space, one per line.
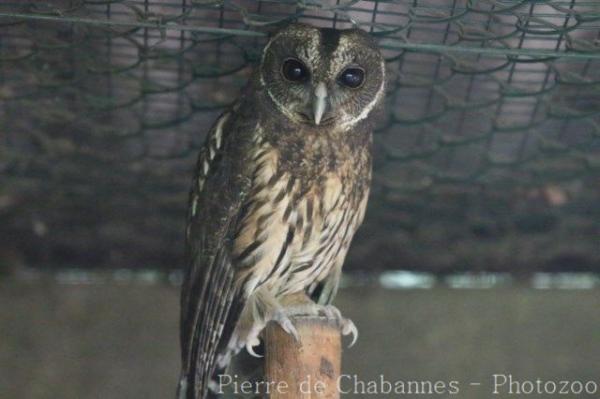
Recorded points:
306,369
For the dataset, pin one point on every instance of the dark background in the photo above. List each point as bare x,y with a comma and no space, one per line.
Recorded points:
488,158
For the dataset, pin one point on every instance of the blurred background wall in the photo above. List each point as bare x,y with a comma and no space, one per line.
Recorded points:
119,341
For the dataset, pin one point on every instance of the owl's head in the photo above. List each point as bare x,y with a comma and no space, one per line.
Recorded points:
323,76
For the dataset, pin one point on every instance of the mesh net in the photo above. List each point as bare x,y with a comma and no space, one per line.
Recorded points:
488,158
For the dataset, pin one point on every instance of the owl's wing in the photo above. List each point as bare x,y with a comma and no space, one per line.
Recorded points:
210,303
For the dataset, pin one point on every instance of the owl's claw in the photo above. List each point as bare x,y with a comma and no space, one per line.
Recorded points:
284,321
250,344
347,326
251,351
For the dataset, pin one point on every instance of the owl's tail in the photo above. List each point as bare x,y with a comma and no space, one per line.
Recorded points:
211,305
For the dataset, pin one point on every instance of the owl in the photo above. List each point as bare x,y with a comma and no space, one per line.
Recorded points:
281,185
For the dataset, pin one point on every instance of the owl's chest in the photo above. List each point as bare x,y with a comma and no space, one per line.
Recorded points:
311,153
297,223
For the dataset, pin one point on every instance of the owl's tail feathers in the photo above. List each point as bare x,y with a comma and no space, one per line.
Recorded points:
211,307
209,390
182,390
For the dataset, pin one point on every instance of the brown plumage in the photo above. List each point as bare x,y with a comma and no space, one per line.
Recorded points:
281,186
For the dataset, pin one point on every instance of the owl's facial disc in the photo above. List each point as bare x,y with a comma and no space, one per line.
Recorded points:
322,76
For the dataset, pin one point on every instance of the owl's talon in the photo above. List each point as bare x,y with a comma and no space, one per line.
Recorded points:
347,326
250,347
251,351
284,321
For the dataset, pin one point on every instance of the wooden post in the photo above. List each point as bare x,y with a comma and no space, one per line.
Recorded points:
306,369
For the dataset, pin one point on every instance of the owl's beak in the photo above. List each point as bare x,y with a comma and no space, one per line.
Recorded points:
319,102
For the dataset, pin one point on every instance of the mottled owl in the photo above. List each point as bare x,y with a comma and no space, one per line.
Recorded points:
281,185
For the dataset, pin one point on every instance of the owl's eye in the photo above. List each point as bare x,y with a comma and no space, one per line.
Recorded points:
352,77
294,70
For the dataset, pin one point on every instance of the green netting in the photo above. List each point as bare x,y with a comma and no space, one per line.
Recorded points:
488,157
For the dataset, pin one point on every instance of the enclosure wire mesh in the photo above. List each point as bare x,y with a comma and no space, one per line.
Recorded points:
488,157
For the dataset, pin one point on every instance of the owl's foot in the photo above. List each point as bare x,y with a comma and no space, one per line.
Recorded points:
283,315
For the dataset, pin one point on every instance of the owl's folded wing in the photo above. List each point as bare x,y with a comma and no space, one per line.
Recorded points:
210,302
